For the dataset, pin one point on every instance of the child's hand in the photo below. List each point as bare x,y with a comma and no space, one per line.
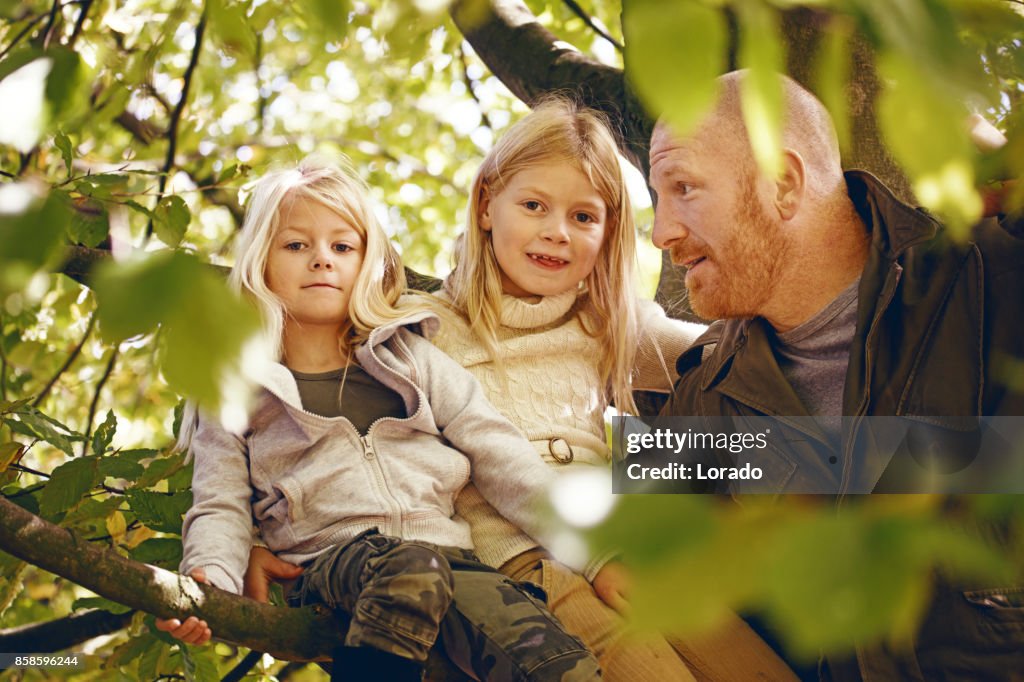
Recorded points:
193,630
612,584
264,568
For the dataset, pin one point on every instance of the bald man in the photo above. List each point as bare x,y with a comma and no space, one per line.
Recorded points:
835,299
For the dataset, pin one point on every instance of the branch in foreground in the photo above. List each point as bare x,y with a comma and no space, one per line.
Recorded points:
62,633
288,634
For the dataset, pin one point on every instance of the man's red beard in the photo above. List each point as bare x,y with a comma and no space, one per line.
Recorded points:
744,270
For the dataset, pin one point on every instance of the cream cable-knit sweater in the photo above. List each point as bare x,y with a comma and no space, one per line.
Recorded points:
552,391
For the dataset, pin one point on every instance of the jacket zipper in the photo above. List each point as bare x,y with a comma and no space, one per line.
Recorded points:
892,281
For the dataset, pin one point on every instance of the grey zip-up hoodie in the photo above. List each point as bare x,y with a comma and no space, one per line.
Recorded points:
311,482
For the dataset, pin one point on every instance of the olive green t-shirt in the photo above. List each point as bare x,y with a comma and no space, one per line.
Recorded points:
362,399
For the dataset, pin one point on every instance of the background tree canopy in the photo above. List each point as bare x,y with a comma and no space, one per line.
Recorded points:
128,132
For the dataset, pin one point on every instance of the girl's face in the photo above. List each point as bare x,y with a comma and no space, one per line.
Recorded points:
313,263
547,226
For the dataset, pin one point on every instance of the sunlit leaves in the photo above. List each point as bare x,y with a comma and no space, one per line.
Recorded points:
911,109
832,75
227,23
160,511
67,484
171,219
761,91
32,227
204,324
674,52
23,125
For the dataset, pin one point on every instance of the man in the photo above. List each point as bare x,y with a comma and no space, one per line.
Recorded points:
835,299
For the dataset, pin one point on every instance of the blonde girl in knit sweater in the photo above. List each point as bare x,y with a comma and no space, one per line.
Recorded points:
542,309
357,445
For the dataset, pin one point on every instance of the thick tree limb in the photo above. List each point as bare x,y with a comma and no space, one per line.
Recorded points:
288,634
62,633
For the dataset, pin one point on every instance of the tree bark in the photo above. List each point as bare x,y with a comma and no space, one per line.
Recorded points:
289,634
62,633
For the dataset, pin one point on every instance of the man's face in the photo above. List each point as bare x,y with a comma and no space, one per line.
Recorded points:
714,222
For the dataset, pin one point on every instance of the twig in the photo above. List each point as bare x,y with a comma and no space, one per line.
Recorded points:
96,399
50,24
17,38
247,663
67,363
470,86
172,129
80,22
7,175
578,11
26,491
28,470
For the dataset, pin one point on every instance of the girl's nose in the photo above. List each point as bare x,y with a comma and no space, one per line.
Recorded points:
321,261
556,231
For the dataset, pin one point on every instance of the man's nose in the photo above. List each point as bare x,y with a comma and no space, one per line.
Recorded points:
667,231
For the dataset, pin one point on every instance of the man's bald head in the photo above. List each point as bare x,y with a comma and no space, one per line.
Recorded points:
807,130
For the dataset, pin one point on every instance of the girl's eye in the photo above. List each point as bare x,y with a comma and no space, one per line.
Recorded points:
342,248
585,218
531,205
293,246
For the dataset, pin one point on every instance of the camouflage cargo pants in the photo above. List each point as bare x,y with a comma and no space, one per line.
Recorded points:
402,596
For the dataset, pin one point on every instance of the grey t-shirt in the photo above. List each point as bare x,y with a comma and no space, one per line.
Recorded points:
815,355
362,399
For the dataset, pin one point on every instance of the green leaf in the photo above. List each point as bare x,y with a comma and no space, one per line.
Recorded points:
206,324
22,126
30,238
228,25
159,469
90,223
160,511
99,603
833,75
129,651
63,143
8,453
679,51
761,90
331,16
104,434
149,661
36,425
125,464
162,552
923,125
171,219
68,483
200,664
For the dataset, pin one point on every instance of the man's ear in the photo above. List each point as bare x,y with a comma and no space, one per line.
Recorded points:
484,209
790,185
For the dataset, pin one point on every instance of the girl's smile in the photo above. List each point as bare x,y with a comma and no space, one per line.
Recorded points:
547,226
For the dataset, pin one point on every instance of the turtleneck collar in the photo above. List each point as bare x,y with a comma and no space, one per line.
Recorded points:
519,313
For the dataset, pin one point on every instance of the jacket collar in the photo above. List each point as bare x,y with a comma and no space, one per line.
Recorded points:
743,365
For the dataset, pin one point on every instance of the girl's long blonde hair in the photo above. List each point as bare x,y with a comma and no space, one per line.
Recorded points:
381,279
559,130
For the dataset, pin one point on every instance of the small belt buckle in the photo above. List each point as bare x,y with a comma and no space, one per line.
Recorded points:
561,459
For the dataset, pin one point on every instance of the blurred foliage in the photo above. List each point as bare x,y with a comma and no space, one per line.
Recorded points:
91,103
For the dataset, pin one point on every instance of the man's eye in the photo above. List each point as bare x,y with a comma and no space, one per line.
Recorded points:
683,188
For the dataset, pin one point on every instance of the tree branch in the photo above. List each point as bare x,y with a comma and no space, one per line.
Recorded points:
51,24
172,129
288,634
471,87
17,39
576,9
67,363
532,62
243,667
96,399
62,633
80,22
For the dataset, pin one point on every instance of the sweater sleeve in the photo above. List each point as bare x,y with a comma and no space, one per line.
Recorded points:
662,340
505,466
217,532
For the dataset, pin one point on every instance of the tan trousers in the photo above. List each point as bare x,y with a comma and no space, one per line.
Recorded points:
733,653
